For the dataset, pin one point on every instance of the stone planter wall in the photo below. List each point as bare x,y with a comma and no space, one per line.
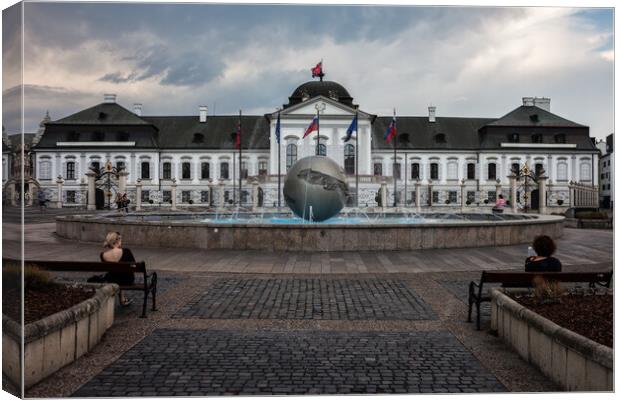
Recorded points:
574,362
588,223
59,339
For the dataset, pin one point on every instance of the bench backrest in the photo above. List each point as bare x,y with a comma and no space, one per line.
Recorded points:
93,266
526,278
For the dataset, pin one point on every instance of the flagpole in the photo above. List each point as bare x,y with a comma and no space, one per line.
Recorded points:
318,130
279,163
394,165
357,176
240,154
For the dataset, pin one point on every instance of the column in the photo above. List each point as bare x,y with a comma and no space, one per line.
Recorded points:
255,194
513,193
384,199
90,205
30,193
131,168
574,172
221,190
542,194
138,194
418,207
59,182
550,190
550,167
430,193
504,167
173,194
122,181
463,198
210,185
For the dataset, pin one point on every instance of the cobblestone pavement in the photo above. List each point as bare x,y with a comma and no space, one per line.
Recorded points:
330,299
199,363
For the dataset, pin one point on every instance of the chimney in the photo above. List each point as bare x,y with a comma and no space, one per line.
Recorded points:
543,102
528,101
137,109
109,98
431,113
203,113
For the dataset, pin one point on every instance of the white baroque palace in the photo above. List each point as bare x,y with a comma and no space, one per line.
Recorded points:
451,161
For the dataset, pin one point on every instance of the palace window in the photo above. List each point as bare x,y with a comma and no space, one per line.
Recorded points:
377,169
435,197
204,196
291,155
415,171
537,138
492,171
224,170
491,195
452,196
584,171
205,172
560,138
538,169
167,171
452,170
95,165
262,168
322,149
513,138
145,196
167,196
515,168
349,159
145,170
71,196
471,196
434,171
471,171
244,170
186,170
396,171
120,165
70,170
186,196
45,170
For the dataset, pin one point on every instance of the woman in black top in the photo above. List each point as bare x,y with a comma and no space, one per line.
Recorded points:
543,261
114,252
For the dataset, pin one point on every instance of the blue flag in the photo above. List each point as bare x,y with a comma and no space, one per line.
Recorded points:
278,129
352,127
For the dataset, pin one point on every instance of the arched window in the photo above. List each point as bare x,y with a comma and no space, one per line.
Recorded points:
434,171
452,170
45,169
146,170
415,171
291,155
492,171
70,170
186,170
224,170
562,171
167,170
584,171
349,159
322,149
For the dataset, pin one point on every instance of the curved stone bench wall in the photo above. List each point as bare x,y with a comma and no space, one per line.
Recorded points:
311,237
59,339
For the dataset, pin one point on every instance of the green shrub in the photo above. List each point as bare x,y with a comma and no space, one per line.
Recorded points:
34,277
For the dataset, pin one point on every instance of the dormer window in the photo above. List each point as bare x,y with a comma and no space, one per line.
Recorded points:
513,138
333,95
537,138
198,138
305,96
560,138
440,138
534,117
102,116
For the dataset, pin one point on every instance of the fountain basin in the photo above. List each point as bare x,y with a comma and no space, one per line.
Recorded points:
192,231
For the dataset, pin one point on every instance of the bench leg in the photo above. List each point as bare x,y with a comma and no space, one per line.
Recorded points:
469,311
478,315
154,290
146,295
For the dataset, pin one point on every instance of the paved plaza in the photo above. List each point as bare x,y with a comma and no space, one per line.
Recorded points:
296,323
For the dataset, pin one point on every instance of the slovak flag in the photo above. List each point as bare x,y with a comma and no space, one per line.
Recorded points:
238,136
314,126
391,130
352,127
318,70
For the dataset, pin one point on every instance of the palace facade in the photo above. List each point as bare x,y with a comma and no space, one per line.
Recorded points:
450,160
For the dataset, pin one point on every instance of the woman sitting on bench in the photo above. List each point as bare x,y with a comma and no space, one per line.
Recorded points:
114,252
542,261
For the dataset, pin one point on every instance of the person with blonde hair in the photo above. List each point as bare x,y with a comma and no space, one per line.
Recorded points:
114,252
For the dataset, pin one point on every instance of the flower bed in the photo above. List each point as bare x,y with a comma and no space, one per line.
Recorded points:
566,357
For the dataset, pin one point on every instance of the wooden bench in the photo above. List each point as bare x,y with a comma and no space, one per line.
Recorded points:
148,284
525,279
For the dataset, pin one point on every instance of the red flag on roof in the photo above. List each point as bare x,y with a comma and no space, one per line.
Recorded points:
318,70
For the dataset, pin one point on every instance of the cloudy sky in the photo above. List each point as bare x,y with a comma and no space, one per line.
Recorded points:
476,61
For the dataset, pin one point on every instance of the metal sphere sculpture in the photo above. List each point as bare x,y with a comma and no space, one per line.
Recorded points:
315,188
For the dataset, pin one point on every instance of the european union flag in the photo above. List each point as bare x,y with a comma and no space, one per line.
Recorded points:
352,127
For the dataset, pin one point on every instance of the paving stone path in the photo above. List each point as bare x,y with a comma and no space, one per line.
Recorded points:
199,363
329,299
